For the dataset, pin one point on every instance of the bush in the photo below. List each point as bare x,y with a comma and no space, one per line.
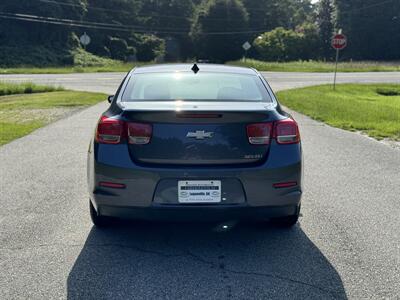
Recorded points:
148,46
119,48
84,58
36,56
284,44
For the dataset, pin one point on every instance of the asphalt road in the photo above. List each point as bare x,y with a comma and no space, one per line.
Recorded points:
106,82
347,244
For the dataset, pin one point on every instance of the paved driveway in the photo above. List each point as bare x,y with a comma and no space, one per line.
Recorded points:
347,244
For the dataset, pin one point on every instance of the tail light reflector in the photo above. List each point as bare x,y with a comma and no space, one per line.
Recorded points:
109,130
259,133
287,132
112,185
139,133
284,184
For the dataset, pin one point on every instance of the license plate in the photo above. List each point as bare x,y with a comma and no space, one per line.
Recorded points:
199,191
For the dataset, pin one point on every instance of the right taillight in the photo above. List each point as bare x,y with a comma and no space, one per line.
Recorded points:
109,130
286,132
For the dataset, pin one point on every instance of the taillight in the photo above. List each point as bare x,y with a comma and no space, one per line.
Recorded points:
112,185
259,133
286,132
288,184
115,131
109,130
139,133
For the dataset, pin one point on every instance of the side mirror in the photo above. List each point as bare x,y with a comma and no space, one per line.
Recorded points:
110,98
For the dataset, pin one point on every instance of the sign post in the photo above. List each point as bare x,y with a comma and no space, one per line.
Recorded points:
339,42
246,46
85,40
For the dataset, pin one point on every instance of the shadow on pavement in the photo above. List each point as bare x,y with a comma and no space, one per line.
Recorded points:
198,261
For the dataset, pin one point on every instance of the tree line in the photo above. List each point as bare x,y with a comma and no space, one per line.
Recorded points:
46,32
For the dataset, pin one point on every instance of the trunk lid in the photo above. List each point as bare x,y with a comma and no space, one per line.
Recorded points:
198,133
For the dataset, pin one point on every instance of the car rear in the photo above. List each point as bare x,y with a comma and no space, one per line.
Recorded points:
215,145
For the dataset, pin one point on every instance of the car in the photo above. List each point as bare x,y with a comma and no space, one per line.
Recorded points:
198,142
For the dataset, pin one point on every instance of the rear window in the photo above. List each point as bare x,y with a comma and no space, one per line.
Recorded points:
190,86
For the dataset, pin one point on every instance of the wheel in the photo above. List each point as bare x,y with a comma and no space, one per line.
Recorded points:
98,221
288,221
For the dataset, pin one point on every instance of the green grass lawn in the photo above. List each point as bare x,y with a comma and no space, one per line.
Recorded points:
118,67
92,64
317,66
83,62
23,113
373,109
7,88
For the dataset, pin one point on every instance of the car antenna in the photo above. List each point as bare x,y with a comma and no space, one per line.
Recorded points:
195,68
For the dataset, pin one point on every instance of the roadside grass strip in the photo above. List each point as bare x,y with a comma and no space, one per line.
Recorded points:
319,66
7,88
88,65
373,109
23,113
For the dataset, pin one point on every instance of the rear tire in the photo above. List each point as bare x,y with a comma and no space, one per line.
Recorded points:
98,221
288,221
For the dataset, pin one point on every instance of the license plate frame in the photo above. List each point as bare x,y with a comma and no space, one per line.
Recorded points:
199,191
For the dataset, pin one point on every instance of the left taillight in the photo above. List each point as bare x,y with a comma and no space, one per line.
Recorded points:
109,130
139,133
115,131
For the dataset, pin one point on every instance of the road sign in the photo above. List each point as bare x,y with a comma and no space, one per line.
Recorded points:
85,39
339,41
246,46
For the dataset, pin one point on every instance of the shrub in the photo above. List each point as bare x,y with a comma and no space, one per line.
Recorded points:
285,44
119,48
148,46
36,56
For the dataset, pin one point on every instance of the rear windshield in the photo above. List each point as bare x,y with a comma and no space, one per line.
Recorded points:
190,86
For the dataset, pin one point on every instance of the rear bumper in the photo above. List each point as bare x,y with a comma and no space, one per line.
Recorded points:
151,192
198,214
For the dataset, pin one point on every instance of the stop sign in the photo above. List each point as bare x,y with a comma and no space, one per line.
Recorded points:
339,41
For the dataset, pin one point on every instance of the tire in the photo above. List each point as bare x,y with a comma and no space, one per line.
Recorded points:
98,221
288,221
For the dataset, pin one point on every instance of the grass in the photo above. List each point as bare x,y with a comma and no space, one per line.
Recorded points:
23,113
7,88
120,67
318,66
354,107
83,62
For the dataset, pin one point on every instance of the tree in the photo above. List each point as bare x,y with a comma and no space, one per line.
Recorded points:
372,28
269,14
325,26
35,43
172,21
218,28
